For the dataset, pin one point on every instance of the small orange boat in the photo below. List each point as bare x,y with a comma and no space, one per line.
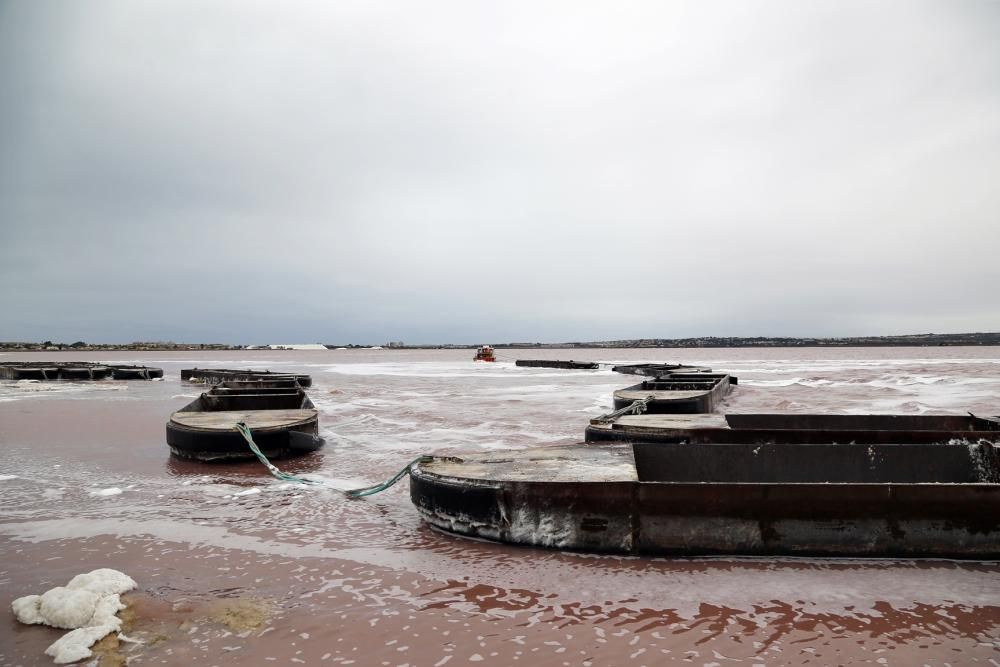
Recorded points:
485,353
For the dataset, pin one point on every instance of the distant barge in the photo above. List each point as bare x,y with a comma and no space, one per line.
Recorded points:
794,429
654,370
75,370
550,363
282,419
216,375
896,500
678,393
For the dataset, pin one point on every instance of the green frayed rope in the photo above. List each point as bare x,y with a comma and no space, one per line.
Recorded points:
354,493
378,488
283,476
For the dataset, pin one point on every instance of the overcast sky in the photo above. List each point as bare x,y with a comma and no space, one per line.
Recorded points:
492,172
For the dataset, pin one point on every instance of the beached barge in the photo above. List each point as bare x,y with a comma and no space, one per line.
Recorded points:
282,419
75,370
551,363
677,393
214,376
899,500
792,428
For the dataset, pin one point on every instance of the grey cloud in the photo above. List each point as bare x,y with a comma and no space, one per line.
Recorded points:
457,172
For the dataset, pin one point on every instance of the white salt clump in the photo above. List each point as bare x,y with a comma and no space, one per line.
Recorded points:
67,608
75,645
86,605
26,609
104,581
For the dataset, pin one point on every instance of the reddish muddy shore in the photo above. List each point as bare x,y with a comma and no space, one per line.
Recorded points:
235,567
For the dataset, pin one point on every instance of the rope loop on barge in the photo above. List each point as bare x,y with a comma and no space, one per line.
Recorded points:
636,407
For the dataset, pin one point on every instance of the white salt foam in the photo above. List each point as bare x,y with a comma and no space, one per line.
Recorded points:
112,491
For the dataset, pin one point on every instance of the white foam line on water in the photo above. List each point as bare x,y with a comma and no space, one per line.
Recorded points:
112,491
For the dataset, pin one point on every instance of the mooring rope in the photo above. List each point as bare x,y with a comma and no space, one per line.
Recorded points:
378,488
637,407
284,476
244,430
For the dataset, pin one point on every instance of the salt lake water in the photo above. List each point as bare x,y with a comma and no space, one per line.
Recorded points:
236,567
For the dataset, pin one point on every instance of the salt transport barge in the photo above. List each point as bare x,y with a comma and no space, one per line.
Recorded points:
555,363
656,370
282,418
678,392
75,370
217,375
901,500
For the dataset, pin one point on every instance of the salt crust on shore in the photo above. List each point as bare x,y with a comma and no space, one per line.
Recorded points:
86,605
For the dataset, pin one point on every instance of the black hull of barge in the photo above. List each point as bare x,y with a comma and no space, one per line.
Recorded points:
231,446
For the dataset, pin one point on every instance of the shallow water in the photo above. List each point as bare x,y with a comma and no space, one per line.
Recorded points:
86,482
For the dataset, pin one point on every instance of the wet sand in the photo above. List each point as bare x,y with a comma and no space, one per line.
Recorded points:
236,568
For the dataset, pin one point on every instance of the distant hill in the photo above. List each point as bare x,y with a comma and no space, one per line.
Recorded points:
910,340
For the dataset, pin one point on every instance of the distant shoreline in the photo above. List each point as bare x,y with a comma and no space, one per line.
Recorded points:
912,340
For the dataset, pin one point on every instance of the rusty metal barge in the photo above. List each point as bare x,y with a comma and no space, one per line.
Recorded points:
283,420
895,500
793,428
677,393
552,363
75,370
214,376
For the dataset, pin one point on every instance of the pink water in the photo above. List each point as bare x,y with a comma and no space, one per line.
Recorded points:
365,583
